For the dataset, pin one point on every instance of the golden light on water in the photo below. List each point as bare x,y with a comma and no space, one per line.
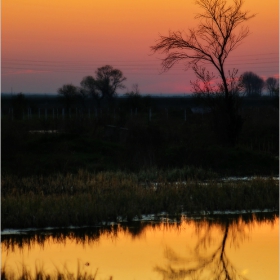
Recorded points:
251,250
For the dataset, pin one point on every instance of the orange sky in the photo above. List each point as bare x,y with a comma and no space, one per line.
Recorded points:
48,43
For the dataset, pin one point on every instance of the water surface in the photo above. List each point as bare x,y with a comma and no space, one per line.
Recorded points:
241,247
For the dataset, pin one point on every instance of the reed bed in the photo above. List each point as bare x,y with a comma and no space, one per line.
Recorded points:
39,273
86,199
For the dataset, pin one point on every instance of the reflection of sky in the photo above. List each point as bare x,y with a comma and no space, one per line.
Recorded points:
124,257
46,44
258,256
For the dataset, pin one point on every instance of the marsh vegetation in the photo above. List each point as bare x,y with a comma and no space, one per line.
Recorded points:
86,198
91,170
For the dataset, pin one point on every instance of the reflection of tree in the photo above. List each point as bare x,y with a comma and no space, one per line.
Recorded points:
205,265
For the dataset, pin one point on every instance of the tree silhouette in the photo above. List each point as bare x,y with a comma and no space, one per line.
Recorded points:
70,94
271,84
252,83
104,85
108,80
211,43
88,89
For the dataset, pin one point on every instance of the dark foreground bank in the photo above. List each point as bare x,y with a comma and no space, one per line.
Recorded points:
164,133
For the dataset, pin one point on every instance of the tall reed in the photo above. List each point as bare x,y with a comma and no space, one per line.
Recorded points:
85,198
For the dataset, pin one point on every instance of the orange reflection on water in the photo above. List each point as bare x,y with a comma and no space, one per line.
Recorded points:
246,249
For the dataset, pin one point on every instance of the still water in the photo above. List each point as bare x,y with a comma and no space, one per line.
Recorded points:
231,247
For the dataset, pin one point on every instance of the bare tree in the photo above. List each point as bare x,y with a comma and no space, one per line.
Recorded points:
271,84
135,89
211,42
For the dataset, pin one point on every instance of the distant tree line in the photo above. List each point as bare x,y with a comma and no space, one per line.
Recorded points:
100,91
253,85
101,88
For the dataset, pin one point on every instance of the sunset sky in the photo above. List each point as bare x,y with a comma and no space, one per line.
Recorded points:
48,43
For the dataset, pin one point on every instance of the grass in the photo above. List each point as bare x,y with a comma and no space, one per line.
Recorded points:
86,199
25,273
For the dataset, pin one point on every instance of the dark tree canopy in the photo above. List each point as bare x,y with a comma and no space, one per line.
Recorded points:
272,84
108,80
70,94
104,85
252,84
88,88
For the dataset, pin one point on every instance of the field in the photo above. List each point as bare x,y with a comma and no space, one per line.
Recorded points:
133,135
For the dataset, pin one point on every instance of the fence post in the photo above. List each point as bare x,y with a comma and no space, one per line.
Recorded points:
150,114
39,111
46,114
185,115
